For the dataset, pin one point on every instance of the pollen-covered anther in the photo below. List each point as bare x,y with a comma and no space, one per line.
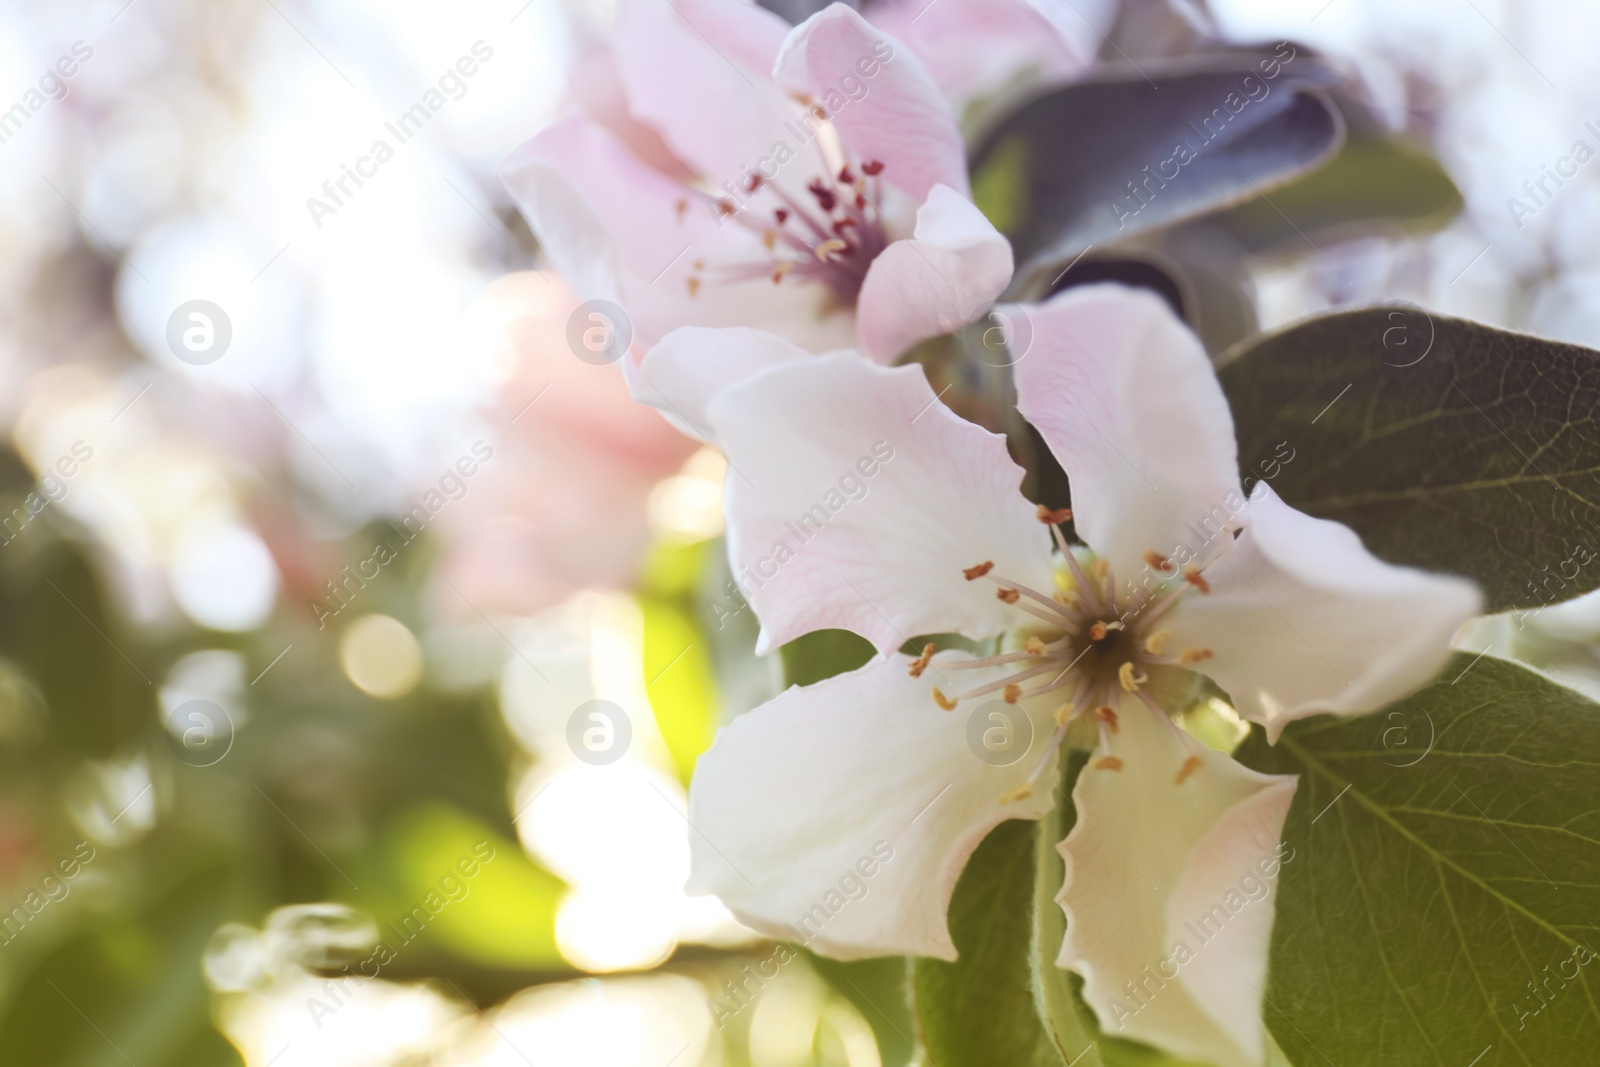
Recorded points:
1054,516
1034,646
1100,630
920,664
769,238
694,285
872,168
1194,655
1012,693
974,573
1131,677
943,701
1021,791
829,247
1190,765
1156,642
1192,575
1108,763
780,270
1010,596
1108,716
1157,561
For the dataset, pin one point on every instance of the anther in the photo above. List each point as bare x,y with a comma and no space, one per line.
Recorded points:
872,168
845,176
920,664
1156,642
1033,646
1157,561
1108,763
1194,655
1099,630
1100,568
694,286
974,573
1107,716
1066,598
1190,765
1010,596
1063,714
1131,678
943,701
681,207
1012,693
782,215
1021,791
780,270
1191,574
829,247
1055,516
769,239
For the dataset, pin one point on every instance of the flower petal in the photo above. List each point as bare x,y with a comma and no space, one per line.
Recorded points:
855,499
1128,403
1149,861
955,266
842,813
686,369
699,71
620,230
976,47
1302,619
900,119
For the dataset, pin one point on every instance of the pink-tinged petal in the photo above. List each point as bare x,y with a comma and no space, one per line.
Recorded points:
1148,862
1126,399
841,814
622,231
699,71
595,88
954,266
1302,619
976,47
883,102
690,365
855,499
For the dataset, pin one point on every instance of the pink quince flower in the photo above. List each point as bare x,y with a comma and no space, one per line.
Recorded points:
856,500
823,193
562,505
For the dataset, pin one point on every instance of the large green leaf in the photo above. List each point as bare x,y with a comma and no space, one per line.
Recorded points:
1446,869
979,1010
1067,170
1375,180
1445,444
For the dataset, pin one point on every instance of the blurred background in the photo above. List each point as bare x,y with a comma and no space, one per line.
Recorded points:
357,641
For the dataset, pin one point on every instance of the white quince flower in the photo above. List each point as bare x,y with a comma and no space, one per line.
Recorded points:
1289,614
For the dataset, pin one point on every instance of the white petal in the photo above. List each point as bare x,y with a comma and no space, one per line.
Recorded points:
1147,860
855,499
1126,399
1302,619
688,366
860,769
936,282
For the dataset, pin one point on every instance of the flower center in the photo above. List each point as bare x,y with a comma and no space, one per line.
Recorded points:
1092,648
828,234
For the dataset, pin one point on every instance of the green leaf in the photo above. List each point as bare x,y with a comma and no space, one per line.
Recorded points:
1445,444
1064,165
877,987
1446,855
822,654
1375,179
979,1010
